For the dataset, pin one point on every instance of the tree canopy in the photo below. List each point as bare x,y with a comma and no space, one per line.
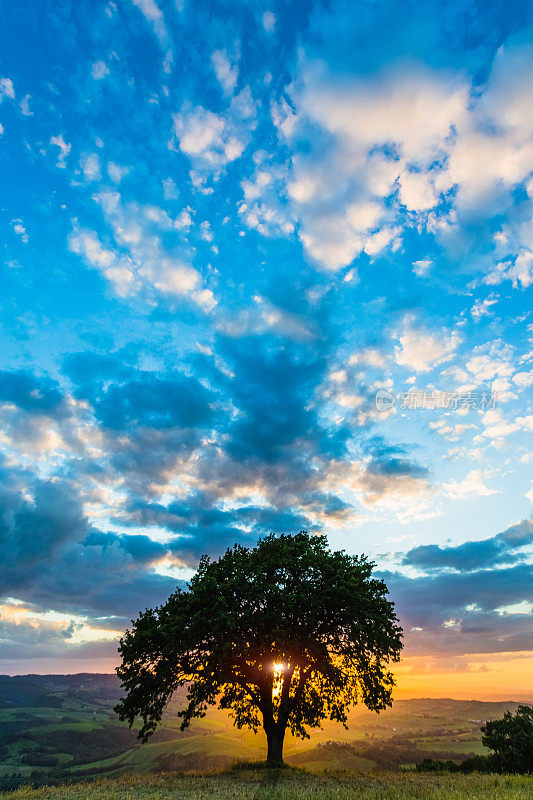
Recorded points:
511,738
283,635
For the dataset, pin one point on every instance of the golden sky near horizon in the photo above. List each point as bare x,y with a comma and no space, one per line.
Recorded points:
491,676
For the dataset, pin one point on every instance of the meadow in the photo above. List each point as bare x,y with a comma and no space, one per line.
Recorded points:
248,782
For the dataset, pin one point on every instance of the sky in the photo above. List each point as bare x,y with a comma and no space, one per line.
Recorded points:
267,267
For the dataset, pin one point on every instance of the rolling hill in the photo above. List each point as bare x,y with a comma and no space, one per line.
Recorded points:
62,727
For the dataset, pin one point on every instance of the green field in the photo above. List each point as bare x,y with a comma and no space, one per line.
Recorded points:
68,732
249,783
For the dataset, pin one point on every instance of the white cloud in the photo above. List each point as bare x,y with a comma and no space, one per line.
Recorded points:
410,135
346,122
498,428
90,164
205,299
119,271
494,150
99,70
24,106
163,220
199,132
122,278
87,244
264,192
481,308
490,362
502,390
170,190
351,401
334,238
479,165
154,16
20,230
375,242
406,498
284,117
213,140
116,172
139,261
519,271
263,209
64,150
451,432
416,191
471,486
522,270
421,350
526,423
177,278
414,108
422,267
370,356
339,376
6,89
206,232
269,21
226,72
523,379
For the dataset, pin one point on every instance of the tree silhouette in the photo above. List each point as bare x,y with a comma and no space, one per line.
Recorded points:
283,635
511,738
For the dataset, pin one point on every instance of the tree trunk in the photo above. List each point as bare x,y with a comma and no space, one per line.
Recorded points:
275,738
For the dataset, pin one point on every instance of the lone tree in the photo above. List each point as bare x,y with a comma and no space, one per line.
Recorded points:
283,635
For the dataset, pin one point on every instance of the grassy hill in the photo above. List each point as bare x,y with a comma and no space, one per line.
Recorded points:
251,783
59,728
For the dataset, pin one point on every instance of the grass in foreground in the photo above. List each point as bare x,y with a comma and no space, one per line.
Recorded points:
254,782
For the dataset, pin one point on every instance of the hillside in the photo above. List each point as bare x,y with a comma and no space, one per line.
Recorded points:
57,728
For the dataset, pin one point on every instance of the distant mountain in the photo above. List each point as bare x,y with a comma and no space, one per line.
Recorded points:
25,691
457,709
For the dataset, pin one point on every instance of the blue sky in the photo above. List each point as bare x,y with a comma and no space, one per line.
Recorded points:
226,228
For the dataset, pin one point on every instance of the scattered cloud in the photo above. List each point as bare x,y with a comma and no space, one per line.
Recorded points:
154,16
420,350
471,486
24,106
213,140
99,70
20,230
64,150
269,21
90,164
226,72
7,89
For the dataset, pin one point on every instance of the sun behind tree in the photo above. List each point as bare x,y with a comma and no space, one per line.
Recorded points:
283,635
